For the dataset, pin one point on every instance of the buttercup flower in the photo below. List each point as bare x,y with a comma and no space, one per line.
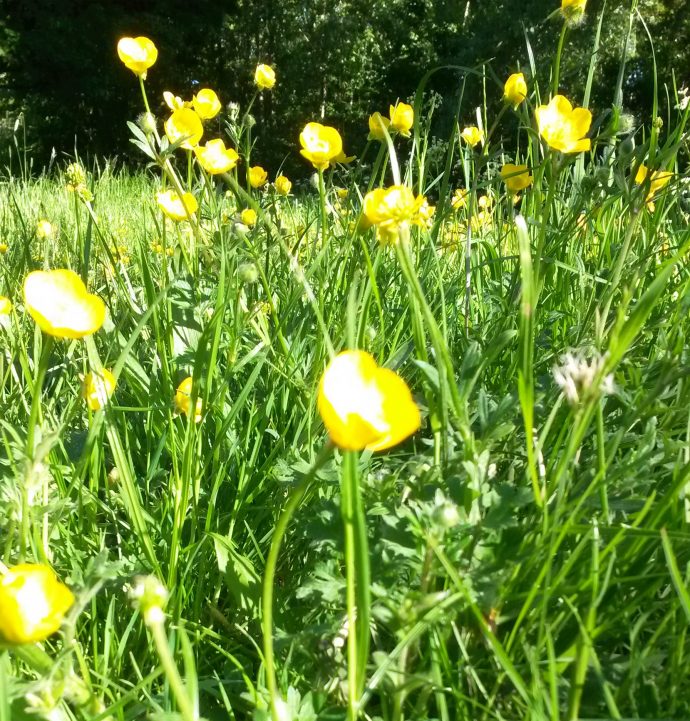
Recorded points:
573,10
257,176
365,406
472,135
5,305
377,123
184,123
4,248
515,89
562,127
282,185
183,400
402,118
516,177
215,158
60,304
390,208
97,388
33,603
44,229
657,178
321,144
174,102
138,54
248,217
177,208
206,104
264,77
459,199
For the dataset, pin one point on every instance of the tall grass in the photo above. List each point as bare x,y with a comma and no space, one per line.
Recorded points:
528,547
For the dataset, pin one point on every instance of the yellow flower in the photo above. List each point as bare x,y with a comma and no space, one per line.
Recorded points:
459,199
138,54
282,185
562,127
515,89
342,193
257,176
516,177
44,229
215,157
97,388
364,406
658,179
4,248
248,217
184,123
472,135
60,304
177,208
33,603
377,123
321,145
5,305
264,77
390,208
183,400
402,118
174,102
206,104
573,9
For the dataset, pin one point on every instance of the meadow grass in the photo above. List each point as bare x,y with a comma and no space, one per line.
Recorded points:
522,556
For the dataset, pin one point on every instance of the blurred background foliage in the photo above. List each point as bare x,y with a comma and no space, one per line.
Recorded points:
62,86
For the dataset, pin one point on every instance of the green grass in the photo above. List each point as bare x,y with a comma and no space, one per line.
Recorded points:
529,555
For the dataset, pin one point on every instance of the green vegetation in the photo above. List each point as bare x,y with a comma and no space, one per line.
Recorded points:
524,554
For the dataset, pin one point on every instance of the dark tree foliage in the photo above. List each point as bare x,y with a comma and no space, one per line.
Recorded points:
337,60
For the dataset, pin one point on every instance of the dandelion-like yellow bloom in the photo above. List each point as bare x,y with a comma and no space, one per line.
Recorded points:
377,127
321,145
215,158
248,217
391,208
562,127
184,123
657,179
365,406
177,208
402,118
44,229
282,185
257,176
183,400
33,603
264,77
60,304
138,54
515,89
97,388
516,177
206,104
472,135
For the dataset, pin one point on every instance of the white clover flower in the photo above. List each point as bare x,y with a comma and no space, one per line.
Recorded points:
576,376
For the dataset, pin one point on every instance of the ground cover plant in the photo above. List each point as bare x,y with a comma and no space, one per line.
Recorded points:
408,441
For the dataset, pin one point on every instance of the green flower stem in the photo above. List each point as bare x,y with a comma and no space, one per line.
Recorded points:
172,674
293,503
557,60
358,582
30,441
324,216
